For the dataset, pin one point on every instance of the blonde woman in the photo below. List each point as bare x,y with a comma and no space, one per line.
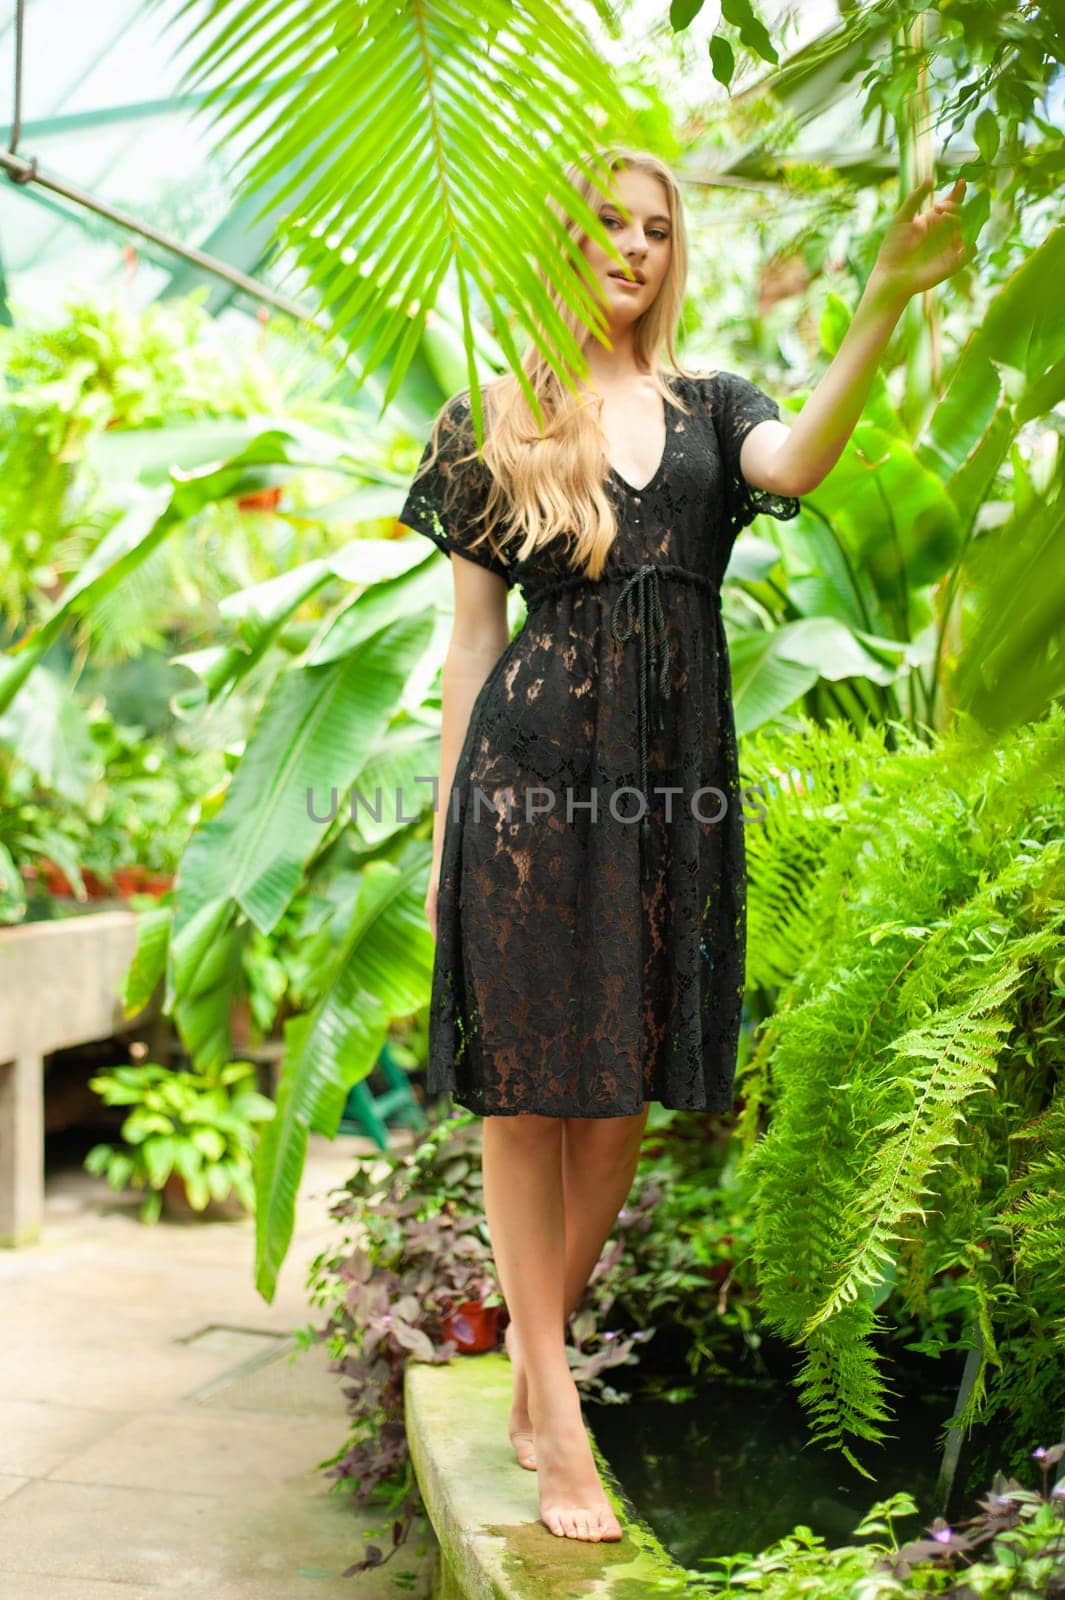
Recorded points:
587,890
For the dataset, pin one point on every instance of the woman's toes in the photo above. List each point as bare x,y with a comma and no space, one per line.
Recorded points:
593,1526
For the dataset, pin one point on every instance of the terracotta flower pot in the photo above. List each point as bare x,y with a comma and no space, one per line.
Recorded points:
55,879
138,879
260,500
473,1326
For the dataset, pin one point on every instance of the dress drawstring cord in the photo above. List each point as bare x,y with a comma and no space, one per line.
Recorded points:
648,625
654,671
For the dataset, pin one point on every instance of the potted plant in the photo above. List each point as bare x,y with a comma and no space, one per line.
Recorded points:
189,1137
413,1279
474,1325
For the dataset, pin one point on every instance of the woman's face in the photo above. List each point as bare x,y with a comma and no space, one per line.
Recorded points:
642,236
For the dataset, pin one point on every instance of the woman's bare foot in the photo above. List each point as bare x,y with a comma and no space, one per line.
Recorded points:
573,1502
519,1427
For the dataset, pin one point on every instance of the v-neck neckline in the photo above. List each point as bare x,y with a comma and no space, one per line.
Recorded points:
667,406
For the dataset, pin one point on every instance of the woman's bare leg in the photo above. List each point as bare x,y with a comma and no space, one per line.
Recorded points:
599,1160
521,1163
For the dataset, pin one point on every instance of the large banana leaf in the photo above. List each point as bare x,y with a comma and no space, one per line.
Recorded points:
1011,369
262,614
894,518
1019,346
381,970
47,729
394,785
313,735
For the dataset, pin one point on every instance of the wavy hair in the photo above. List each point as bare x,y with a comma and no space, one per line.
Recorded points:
547,483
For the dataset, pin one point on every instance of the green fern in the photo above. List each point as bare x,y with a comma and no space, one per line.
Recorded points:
905,1050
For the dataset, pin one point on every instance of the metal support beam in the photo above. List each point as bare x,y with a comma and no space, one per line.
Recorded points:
25,172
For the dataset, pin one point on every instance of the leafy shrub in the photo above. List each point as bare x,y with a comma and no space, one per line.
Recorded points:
1014,1546
200,1126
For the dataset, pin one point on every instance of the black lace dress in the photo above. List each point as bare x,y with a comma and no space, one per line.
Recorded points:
590,946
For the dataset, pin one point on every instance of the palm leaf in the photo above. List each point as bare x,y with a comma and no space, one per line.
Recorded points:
381,970
409,142
314,732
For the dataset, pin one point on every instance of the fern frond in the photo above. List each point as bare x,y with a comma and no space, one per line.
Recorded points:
806,780
841,1386
951,1058
1034,1203
912,1037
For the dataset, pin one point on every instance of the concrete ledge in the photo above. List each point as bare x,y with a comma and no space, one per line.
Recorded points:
484,1508
60,985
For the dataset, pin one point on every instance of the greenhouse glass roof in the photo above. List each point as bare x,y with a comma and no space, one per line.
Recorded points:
101,110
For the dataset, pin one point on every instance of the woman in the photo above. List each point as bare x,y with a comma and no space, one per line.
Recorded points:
589,955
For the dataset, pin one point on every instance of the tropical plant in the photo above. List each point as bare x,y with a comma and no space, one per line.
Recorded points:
1014,1547
202,1127
84,792
903,1105
251,854
410,87
143,801
415,1248
855,609
336,655
468,185
70,391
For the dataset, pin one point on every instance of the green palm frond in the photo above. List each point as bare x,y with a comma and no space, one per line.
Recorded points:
411,140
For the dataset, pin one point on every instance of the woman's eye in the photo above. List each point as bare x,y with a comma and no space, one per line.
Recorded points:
656,232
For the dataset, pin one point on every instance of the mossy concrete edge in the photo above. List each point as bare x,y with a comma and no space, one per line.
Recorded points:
484,1507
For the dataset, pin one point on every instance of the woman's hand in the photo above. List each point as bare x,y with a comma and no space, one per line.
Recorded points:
918,252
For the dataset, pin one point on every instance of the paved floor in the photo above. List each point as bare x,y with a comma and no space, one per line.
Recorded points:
159,1435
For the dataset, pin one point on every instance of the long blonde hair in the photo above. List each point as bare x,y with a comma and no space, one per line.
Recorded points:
549,485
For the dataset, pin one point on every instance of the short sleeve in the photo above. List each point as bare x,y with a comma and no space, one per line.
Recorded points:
445,502
737,405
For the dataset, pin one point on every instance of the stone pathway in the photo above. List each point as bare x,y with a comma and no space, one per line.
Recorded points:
159,1436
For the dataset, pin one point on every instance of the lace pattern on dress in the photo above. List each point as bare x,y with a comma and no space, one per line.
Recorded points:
585,964
446,502
737,406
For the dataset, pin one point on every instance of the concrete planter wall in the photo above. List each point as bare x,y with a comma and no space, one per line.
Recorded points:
60,985
484,1508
